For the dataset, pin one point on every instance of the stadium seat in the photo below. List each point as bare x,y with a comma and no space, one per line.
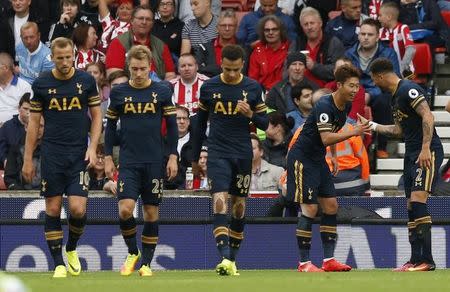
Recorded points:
446,16
2,182
334,14
250,5
422,63
239,5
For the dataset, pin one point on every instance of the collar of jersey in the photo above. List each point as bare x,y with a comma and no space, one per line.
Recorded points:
59,76
232,83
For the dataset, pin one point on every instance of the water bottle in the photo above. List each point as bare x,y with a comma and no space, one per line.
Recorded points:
189,184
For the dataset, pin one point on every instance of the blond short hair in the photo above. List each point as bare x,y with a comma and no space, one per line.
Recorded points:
61,42
139,52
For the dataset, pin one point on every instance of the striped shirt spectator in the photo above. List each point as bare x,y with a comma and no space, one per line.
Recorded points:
200,30
113,27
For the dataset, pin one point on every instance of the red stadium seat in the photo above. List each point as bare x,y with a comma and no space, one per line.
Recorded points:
423,63
251,5
239,5
446,16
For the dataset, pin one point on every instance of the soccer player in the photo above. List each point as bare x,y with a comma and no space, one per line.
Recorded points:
141,105
424,154
230,101
309,178
63,96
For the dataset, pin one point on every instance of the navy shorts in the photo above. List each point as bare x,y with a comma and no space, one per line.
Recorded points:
307,180
231,175
419,179
145,180
64,174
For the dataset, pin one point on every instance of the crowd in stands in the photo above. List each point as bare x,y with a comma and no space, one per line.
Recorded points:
293,48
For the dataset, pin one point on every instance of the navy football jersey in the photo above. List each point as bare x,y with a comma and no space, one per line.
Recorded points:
141,112
64,105
324,117
405,101
229,134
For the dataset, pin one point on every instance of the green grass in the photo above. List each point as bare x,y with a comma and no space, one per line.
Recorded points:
251,280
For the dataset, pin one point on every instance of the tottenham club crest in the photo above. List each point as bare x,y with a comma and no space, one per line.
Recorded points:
323,118
413,93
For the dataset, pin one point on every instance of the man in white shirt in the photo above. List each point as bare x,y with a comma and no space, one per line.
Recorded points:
186,87
12,88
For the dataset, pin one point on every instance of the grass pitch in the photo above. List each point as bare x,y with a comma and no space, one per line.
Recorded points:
250,280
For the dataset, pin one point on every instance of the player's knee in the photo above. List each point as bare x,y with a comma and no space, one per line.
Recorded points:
219,207
77,212
239,210
420,197
309,210
125,213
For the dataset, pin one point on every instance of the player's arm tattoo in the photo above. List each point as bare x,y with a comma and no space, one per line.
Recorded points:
424,111
394,131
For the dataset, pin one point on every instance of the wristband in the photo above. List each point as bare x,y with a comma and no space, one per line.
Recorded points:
373,126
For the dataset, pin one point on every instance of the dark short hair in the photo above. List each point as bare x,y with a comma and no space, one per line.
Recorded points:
255,137
372,22
183,108
233,52
344,59
296,91
277,118
25,98
71,2
381,65
345,72
117,74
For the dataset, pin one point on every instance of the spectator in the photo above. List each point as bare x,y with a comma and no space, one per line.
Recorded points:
279,97
13,130
98,71
278,135
247,34
168,27
209,55
183,123
200,30
186,87
14,163
6,34
267,59
321,50
85,40
425,22
302,98
317,94
202,181
25,11
373,7
396,35
33,56
185,13
97,174
70,18
346,26
367,49
184,149
352,179
12,88
323,6
112,27
286,6
139,34
358,103
265,176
